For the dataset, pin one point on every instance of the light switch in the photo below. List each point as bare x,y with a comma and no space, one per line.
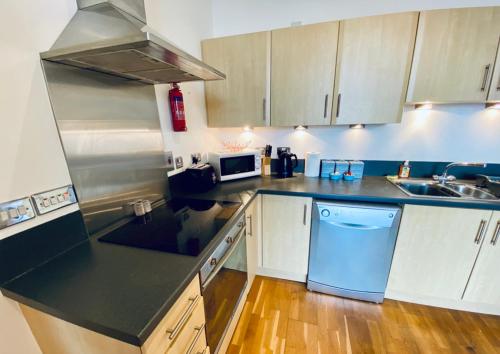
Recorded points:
48,201
22,210
13,213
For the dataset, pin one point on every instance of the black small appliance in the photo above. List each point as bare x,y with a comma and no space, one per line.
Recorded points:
200,178
285,163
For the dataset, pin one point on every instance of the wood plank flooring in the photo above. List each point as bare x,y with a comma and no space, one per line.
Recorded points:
283,317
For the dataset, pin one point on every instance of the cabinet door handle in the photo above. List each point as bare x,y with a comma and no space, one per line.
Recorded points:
185,316
305,215
479,234
485,77
325,109
264,109
250,231
338,105
199,331
498,84
494,239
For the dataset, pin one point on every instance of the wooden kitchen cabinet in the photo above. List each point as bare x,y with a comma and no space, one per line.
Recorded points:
454,55
242,98
435,252
373,68
484,283
253,230
286,232
302,74
56,336
494,93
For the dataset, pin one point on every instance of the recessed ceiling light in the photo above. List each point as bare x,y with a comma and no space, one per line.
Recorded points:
424,105
492,105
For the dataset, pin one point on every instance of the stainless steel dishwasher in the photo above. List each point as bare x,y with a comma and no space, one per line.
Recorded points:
351,248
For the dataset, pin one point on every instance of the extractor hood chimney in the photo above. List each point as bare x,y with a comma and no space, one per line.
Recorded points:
111,36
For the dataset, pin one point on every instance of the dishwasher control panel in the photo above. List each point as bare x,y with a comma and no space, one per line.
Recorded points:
360,214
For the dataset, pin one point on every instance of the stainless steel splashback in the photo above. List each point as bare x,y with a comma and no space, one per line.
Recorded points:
110,132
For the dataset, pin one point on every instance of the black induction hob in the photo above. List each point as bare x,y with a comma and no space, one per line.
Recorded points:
183,226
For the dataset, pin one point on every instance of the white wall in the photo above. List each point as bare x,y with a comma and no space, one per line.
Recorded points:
244,16
31,157
184,23
447,133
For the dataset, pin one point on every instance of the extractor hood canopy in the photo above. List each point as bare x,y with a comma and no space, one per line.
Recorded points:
111,36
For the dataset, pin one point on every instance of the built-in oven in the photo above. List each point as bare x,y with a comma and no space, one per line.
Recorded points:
224,278
234,165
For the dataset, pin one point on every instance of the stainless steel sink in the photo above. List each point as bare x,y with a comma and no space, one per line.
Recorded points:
470,191
426,188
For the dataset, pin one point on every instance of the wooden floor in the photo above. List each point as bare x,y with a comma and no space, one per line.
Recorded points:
283,317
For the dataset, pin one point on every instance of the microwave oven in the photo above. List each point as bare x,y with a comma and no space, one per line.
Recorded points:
234,165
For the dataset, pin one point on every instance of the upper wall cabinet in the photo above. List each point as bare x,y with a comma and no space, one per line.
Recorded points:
302,74
494,93
241,99
454,55
373,67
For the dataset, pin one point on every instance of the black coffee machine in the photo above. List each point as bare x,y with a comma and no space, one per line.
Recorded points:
285,163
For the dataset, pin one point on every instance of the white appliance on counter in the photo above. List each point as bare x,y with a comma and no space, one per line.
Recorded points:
312,164
235,165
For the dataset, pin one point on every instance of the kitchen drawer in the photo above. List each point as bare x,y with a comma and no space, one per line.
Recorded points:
201,346
192,333
178,318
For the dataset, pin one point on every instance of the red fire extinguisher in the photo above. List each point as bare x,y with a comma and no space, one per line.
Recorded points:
177,108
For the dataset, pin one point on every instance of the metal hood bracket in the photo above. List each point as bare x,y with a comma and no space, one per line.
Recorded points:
111,37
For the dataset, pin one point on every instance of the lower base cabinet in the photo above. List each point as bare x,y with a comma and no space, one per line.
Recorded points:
286,232
181,331
484,282
447,257
253,230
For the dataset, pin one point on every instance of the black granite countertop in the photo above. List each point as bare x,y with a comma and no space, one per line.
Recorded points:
124,292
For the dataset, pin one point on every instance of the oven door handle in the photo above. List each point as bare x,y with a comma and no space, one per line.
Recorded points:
224,259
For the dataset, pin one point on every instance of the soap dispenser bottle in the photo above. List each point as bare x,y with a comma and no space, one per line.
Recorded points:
404,169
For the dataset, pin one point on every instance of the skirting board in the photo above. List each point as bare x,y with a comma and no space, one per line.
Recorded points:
446,303
281,275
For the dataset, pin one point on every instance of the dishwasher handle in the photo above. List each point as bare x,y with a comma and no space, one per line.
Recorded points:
354,226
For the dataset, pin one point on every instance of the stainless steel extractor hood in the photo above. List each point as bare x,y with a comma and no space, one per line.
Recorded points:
111,36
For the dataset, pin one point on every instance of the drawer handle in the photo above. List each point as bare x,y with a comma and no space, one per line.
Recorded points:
185,316
494,239
304,217
199,331
204,351
480,230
